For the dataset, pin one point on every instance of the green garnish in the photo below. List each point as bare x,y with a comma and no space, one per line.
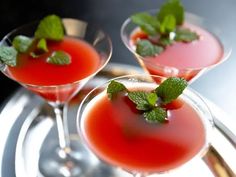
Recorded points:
168,24
146,48
172,7
185,35
156,115
165,26
114,88
142,100
40,49
165,41
147,23
151,103
51,28
22,43
170,89
8,55
59,58
152,99
42,45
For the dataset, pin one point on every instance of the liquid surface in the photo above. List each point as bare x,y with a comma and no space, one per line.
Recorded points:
205,51
84,62
118,134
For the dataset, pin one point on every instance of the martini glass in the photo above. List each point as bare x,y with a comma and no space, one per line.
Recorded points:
64,157
187,60
118,134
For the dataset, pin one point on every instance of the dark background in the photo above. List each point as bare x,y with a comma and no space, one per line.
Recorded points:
219,85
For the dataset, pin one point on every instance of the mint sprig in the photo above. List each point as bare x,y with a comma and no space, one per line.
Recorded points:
165,41
22,43
59,58
146,48
8,55
42,45
170,89
156,115
165,26
152,99
144,101
185,35
147,23
168,24
40,48
174,8
151,103
50,28
114,88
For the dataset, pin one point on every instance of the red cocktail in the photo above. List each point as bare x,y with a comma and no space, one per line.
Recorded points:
84,61
36,71
117,133
54,59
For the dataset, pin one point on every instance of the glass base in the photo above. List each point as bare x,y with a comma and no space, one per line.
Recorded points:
72,162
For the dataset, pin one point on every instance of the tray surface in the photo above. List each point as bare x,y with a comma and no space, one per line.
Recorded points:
26,121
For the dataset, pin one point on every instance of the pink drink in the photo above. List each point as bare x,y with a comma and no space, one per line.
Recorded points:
183,59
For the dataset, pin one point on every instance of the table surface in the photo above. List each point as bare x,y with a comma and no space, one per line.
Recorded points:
218,85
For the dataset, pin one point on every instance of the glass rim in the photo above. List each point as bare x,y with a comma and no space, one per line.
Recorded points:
64,20
227,48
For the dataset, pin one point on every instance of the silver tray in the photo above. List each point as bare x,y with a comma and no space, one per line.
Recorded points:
26,121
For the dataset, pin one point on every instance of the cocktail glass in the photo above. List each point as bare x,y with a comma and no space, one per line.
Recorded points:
116,135
61,159
189,71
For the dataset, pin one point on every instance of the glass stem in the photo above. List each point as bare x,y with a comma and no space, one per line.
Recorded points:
62,128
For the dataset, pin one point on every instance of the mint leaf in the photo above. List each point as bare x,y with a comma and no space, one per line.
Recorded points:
22,43
51,28
170,89
185,35
172,7
8,55
152,98
42,45
146,48
163,28
140,99
40,49
59,58
114,87
147,23
149,102
168,24
156,115
165,41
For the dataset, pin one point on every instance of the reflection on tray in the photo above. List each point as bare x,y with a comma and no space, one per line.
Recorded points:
38,127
